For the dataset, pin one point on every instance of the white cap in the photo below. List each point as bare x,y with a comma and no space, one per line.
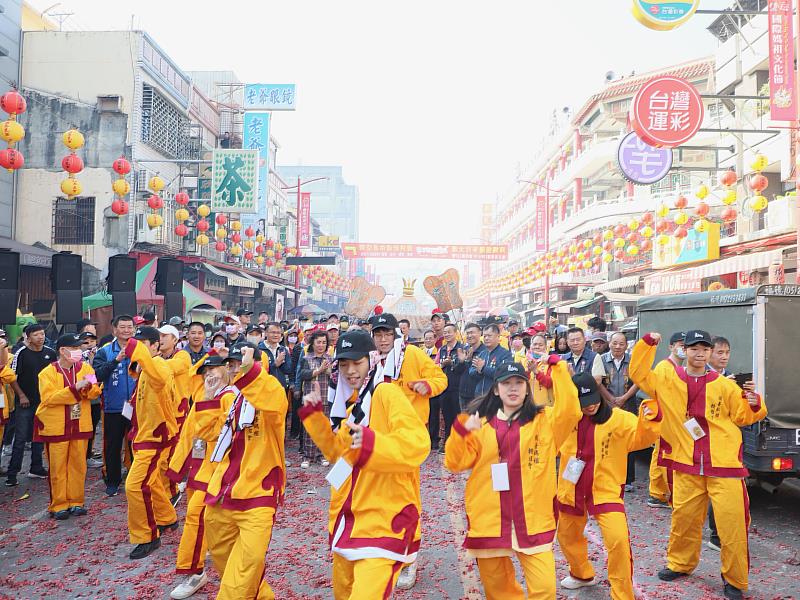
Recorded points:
169,330
308,326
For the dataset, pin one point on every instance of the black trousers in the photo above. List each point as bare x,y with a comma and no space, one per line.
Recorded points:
97,410
115,430
451,407
24,433
296,401
8,434
433,421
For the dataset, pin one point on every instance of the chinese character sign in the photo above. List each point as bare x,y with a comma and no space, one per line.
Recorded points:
444,289
485,252
256,137
782,92
642,163
663,15
234,181
269,96
305,220
541,223
666,112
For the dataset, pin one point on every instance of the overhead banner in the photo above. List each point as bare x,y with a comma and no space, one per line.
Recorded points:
541,223
435,251
695,247
444,289
234,181
256,137
782,92
269,96
305,220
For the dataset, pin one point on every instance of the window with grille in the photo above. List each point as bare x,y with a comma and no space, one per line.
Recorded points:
165,128
73,221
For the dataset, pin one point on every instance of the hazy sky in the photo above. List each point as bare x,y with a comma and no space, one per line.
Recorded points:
428,105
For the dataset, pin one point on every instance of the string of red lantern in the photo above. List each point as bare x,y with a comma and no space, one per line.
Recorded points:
155,202
120,186
11,131
72,163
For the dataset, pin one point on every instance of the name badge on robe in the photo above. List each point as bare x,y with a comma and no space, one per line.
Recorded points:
500,477
694,429
339,473
127,410
573,470
199,449
75,411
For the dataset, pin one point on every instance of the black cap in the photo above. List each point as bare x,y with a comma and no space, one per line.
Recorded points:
69,340
512,322
383,321
676,337
697,336
252,328
508,370
86,335
588,393
355,345
235,353
243,311
148,334
215,360
83,323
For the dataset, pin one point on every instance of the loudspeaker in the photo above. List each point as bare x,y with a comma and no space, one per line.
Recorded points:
9,287
169,276
173,305
123,303
66,272
69,306
121,275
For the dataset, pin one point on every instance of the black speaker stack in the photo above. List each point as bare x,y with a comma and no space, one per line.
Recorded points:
121,284
9,286
169,284
66,275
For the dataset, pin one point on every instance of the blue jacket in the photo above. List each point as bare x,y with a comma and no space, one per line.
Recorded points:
494,359
585,362
285,373
118,386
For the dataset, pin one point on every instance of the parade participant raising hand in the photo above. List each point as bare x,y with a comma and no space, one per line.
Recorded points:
509,444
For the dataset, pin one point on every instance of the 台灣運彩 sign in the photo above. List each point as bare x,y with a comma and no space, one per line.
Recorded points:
234,181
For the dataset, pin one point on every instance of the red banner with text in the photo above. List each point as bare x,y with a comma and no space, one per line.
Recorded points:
305,220
782,92
436,251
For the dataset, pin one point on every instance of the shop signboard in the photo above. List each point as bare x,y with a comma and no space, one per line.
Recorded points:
694,248
663,15
256,137
269,96
642,163
666,112
305,220
482,252
782,91
679,282
541,223
234,181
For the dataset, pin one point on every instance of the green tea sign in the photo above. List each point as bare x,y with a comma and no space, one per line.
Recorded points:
234,181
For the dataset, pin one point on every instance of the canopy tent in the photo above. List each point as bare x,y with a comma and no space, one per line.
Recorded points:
307,309
146,292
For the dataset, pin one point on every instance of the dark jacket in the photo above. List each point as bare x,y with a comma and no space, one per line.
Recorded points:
468,381
284,373
452,372
494,359
118,386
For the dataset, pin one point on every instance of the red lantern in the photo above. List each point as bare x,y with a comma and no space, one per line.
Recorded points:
235,237
619,254
729,215
662,226
632,237
729,178
647,245
202,225
681,232
250,232
597,239
155,202
121,166
647,219
758,183
221,219
13,103
702,209
248,255
11,159
181,230
682,202
619,230
220,246
259,249
608,246
269,262
72,163
119,207
182,198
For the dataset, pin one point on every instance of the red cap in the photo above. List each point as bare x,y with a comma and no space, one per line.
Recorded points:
137,320
539,327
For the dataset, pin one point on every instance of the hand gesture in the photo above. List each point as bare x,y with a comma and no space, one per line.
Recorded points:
82,384
280,357
223,352
314,397
121,356
211,386
473,423
656,337
247,357
461,354
646,410
356,434
478,363
419,387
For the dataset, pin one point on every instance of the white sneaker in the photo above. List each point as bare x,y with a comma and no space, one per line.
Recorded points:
93,463
189,587
7,450
287,463
325,463
408,577
570,583
305,464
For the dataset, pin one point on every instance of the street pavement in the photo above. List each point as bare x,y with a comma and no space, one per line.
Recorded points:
86,557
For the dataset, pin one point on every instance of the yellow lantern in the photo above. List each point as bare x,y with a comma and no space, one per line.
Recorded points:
662,240
760,163
633,250
662,210
701,225
681,218
156,184
278,247
573,268
729,197
260,238
647,232
597,250
73,139
619,243
121,187
154,220
587,264
236,250
758,203
608,257
236,225
221,233
259,260
633,224
71,187
203,210
702,192
181,214
11,132
587,244
608,235
202,239
270,253
249,244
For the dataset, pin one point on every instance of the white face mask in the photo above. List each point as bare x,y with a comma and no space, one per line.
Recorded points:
75,356
680,353
292,339
254,339
219,344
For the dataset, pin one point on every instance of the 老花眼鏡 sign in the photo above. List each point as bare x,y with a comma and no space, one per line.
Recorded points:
269,96
663,15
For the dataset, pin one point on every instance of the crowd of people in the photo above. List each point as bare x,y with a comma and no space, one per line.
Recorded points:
546,421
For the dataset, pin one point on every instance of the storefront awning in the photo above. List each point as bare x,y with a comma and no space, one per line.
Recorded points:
619,298
737,264
233,277
566,308
618,284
